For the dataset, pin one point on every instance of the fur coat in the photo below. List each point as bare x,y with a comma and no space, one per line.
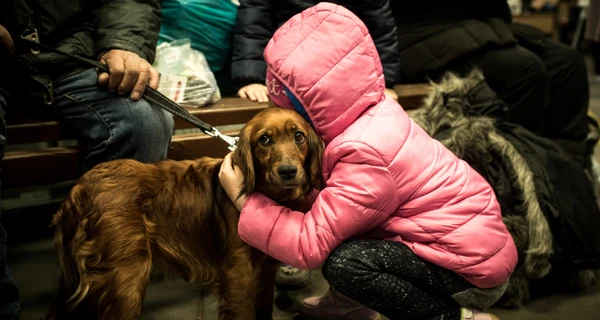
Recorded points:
547,199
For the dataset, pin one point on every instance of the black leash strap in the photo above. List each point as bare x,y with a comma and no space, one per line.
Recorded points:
150,94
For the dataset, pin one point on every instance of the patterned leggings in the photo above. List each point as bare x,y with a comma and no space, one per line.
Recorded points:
389,278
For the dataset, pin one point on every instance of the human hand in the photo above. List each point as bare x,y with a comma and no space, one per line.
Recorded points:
128,73
391,93
255,92
6,42
232,178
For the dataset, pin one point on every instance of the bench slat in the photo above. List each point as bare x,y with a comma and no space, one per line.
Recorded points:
52,165
227,111
546,22
45,131
193,146
20,168
410,96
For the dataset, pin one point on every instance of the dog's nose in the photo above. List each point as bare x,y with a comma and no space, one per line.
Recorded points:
287,172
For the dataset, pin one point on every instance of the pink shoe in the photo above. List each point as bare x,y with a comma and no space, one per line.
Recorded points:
468,314
336,306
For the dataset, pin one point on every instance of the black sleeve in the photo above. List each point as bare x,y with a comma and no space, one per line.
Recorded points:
377,16
131,25
253,30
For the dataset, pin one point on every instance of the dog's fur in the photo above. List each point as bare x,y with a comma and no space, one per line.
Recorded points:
474,138
124,218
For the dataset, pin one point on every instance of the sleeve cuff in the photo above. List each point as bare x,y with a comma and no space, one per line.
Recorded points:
103,46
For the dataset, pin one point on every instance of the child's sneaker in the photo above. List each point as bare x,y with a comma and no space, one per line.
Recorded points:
468,314
336,306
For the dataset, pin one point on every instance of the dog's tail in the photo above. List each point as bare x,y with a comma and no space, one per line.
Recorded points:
103,253
70,241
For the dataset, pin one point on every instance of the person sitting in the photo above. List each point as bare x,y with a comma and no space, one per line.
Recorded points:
543,82
104,109
257,20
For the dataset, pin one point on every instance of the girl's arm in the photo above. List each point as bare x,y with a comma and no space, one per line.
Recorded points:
360,194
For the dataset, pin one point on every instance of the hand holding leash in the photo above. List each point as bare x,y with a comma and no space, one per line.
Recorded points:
31,40
128,72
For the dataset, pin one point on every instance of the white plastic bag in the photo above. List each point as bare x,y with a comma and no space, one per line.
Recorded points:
516,7
185,76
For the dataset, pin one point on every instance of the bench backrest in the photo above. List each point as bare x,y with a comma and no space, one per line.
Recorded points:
46,165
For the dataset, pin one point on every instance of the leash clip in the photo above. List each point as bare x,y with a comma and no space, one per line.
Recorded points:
231,141
32,36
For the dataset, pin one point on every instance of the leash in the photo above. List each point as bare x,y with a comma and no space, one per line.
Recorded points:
150,94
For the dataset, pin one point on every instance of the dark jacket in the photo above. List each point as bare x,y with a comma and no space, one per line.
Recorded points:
85,28
434,34
257,20
547,199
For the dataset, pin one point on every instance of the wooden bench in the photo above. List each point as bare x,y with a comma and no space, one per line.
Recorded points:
22,170
549,22
543,21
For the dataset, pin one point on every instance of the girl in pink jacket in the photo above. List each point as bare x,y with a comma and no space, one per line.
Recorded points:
402,226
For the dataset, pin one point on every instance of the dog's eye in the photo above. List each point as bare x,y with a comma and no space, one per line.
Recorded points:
264,140
299,137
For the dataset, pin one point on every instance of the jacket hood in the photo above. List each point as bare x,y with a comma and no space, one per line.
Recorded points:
323,63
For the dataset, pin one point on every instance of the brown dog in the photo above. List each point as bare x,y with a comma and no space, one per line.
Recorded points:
124,217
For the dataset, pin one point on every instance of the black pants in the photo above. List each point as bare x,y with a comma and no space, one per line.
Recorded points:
9,295
389,278
546,90
595,48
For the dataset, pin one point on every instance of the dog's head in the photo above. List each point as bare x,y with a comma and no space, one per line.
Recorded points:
280,155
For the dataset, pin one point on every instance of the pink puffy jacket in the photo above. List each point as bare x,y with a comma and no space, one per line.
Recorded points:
385,177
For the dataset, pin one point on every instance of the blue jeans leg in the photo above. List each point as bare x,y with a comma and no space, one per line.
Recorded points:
9,294
111,126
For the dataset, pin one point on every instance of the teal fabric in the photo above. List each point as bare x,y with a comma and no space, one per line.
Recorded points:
209,24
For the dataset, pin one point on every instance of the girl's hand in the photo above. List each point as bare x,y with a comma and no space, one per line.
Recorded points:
255,92
232,178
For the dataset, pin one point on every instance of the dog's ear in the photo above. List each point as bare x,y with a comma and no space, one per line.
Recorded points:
315,153
243,158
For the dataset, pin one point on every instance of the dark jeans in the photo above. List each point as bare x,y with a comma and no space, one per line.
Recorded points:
389,278
546,90
111,126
